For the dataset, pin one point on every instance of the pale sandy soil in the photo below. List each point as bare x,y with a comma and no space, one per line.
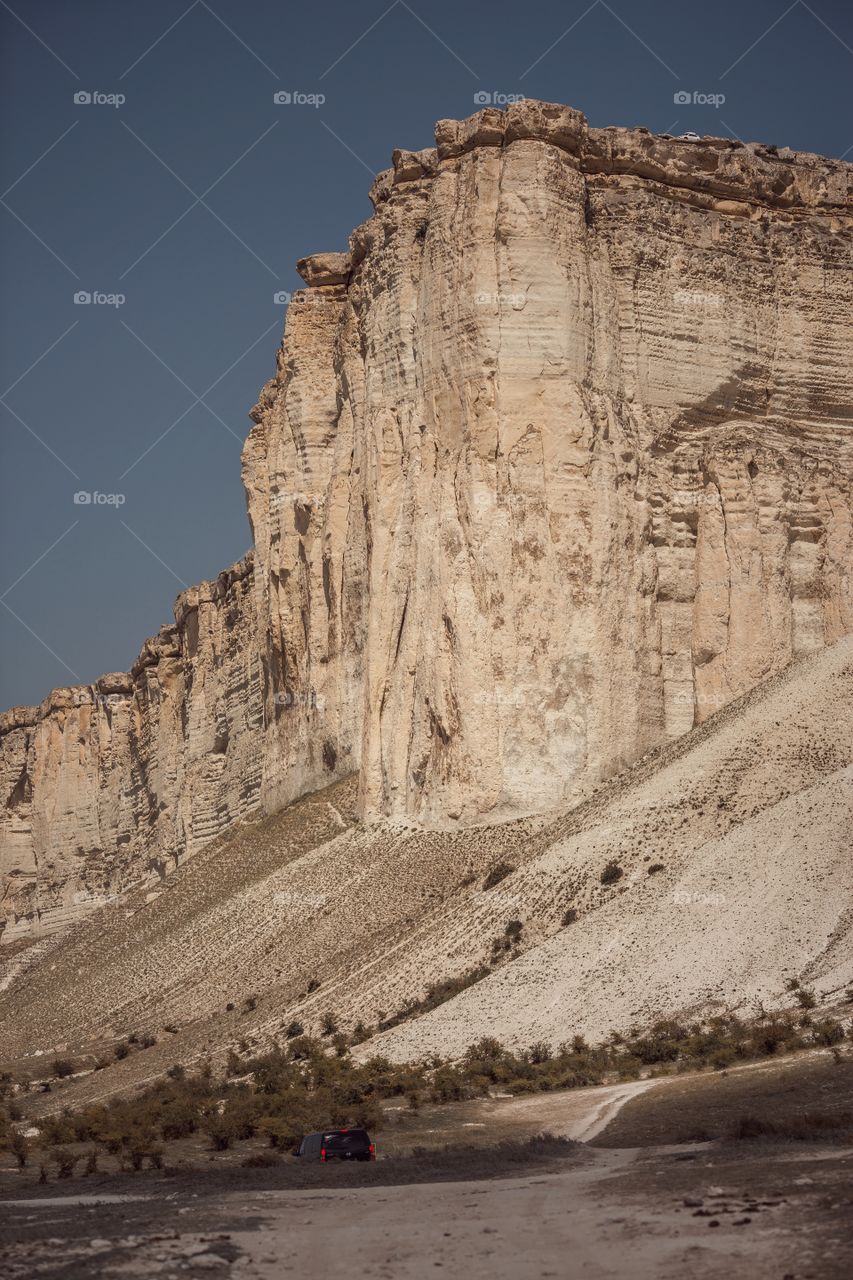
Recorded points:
747,818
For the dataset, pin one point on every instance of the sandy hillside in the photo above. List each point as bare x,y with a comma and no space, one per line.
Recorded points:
747,820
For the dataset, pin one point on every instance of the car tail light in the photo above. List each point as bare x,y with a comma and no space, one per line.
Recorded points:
373,1151
322,1153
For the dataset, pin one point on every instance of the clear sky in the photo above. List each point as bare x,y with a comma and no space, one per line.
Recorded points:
186,204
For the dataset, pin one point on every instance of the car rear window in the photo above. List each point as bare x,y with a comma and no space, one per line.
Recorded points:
351,1140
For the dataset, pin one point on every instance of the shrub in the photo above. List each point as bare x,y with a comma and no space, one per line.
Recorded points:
521,1086
655,868
340,1044
514,930
250,1003
283,1134
294,1029
313,985
828,1032
20,1149
328,1023
806,999
62,1067
56,1130
538,1053
221,1129
144,1149
178,1119
65,1161
301,1047
611,873
570,915
121,1050
499,872
436,994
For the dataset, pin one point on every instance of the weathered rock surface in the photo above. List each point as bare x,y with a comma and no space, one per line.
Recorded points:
556,461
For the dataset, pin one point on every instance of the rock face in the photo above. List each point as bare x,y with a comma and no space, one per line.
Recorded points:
556,462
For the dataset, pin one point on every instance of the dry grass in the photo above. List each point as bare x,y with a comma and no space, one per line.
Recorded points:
804,1128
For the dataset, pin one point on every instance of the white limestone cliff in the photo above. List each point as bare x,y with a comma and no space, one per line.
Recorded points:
556,461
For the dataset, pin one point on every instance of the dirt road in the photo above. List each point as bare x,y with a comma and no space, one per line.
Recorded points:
704,1210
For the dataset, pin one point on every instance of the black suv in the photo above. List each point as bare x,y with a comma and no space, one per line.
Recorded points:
337,1144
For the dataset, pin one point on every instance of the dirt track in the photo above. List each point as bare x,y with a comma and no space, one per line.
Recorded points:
708,1211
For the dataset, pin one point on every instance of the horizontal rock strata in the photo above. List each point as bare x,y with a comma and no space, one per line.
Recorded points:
555,462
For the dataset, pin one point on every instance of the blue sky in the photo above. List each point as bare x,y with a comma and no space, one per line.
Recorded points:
181,195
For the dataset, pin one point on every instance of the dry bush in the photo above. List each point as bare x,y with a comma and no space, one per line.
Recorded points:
499,872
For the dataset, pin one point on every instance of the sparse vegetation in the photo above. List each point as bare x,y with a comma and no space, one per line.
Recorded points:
436,994
805,999
328,1023
65,1161
809,1125
20,1149
284,1093
499,872
611,873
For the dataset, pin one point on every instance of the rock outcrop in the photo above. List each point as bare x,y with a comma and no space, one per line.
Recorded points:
555,463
